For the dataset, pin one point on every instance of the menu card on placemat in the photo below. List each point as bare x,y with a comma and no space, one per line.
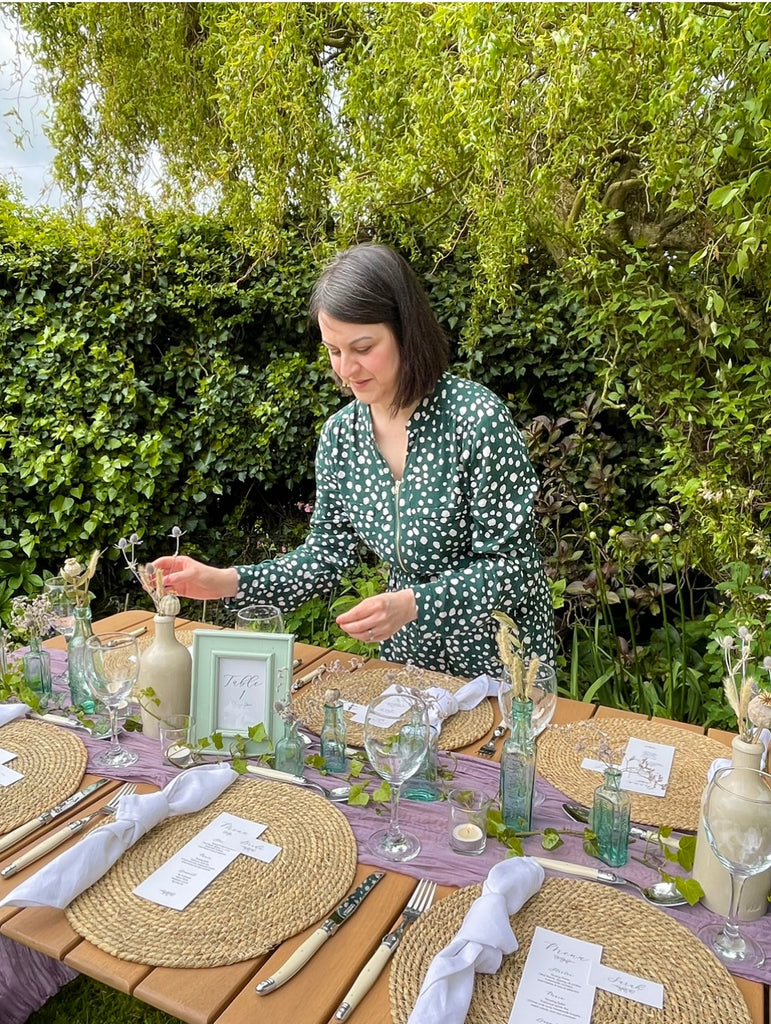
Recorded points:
177,882
554,987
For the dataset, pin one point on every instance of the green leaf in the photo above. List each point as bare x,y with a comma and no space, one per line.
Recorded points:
551,840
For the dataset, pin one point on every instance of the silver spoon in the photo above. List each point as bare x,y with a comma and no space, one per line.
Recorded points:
662,894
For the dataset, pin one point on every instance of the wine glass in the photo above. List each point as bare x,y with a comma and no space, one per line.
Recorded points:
112,669
62,606
736,809
542,691
396,738
262,618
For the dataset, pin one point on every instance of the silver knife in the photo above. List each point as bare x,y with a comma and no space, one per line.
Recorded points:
43,819
302,955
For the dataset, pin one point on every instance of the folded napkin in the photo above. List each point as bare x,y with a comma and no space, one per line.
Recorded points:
10,712
441,703
61,880
483,938
726,762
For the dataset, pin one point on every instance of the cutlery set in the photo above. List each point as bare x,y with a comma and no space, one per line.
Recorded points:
43,819
64,833
421,899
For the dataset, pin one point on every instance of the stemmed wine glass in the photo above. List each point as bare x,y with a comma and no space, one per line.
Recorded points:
112,669
62,606
737,820
542,691
262,618
396,735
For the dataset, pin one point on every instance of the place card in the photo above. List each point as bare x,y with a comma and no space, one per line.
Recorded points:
9,775
628,986
554,987
185,875
6,755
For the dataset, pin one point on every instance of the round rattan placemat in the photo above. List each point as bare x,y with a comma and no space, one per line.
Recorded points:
635,938
365,684
52,761
246,910
560,763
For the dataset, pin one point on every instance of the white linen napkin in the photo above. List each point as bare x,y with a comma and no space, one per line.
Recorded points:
62,879
10,712
482,939
441,703
726,762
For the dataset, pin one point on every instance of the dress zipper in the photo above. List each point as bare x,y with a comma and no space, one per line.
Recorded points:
397,488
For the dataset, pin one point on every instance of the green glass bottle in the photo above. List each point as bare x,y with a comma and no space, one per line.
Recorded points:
518,769
611,810
333,733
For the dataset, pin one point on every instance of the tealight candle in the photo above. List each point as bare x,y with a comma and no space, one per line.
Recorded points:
468,813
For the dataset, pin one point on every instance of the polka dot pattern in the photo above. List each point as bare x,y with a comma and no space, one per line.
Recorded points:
458,529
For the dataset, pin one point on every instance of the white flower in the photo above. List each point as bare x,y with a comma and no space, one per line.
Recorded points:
759,710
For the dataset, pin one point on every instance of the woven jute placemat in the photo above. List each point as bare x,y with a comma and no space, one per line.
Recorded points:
246,910
559,761
635,938
364,684
52,761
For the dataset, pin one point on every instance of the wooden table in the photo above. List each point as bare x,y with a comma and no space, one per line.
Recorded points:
225,995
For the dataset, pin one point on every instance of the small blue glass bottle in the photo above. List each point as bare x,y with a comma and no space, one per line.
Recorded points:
333,733
290,751
611,811
518,769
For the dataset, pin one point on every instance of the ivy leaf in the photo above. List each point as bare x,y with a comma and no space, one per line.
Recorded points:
382,794
238,764
690,889
316,761
258,733
217,740
356,767
357,797
551,840
590,843
686,852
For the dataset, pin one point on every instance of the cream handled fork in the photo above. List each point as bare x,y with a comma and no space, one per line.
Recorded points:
64,833
421,899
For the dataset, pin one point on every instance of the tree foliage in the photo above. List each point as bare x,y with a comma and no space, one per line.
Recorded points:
619,149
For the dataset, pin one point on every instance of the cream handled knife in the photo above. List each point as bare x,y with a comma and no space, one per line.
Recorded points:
56,838
42,819
302,955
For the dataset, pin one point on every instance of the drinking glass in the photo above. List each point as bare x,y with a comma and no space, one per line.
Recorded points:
262,618
737,820
62,613
542,691
396,738
112,669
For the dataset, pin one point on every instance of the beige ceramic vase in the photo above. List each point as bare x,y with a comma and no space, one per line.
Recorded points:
165,667
714,879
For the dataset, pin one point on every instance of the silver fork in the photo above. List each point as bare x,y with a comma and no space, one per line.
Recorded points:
421,899
64,833
488,749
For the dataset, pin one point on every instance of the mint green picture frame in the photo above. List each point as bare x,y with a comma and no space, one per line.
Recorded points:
238,676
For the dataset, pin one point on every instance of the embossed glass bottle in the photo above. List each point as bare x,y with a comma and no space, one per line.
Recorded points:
611,810
290,751
333,732
80,694
37,670
518,769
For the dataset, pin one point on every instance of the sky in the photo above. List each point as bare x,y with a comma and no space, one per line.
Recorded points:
28,167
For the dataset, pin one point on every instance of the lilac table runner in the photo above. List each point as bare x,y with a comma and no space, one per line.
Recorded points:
28,979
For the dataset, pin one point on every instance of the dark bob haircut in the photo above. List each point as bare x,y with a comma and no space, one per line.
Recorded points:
372,284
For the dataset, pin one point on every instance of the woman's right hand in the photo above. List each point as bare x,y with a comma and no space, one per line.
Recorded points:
189,578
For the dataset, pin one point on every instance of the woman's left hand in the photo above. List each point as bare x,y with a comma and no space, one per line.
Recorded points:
377,618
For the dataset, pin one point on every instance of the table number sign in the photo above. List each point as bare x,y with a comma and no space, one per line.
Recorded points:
238,676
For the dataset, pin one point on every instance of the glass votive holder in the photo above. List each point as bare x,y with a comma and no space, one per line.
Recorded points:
424,784
468,821
176,733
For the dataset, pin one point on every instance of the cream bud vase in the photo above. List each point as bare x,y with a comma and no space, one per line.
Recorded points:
166,668
710,873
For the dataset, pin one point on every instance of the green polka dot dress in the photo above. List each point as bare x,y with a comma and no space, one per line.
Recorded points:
457,529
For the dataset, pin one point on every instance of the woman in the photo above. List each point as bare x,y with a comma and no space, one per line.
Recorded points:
426,469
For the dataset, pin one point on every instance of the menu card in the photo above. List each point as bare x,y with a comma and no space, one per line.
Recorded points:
554,987
645,767
185,875
8,775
